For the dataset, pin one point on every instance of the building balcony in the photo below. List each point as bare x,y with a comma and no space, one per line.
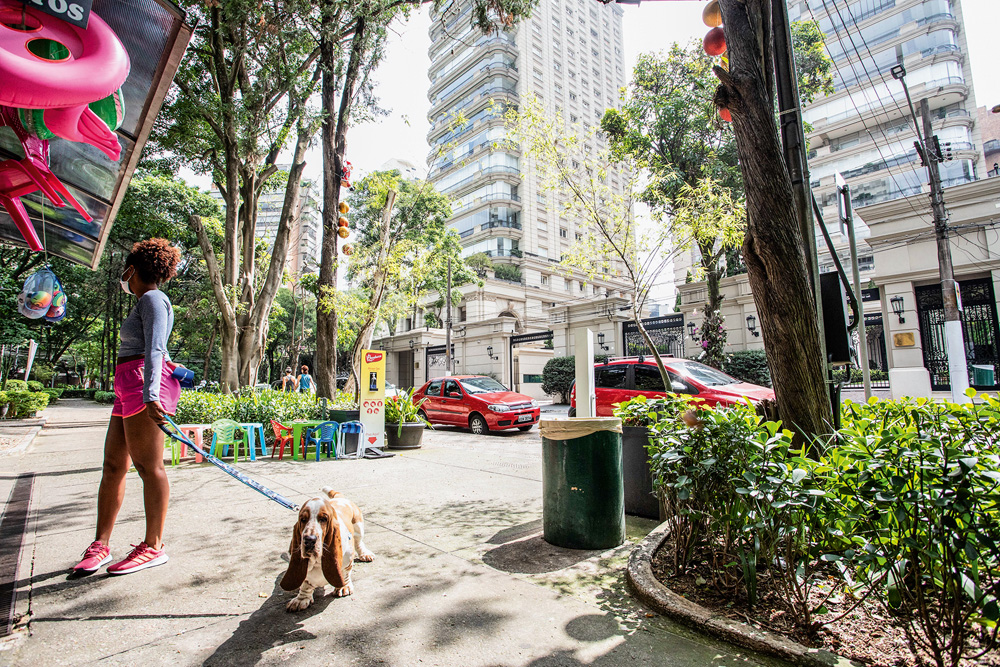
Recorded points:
490,46
511,174
509,200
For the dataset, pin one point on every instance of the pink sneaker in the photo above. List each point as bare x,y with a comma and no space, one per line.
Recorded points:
142,556
96,555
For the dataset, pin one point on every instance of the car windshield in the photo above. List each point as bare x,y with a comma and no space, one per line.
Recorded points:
706,375
482,385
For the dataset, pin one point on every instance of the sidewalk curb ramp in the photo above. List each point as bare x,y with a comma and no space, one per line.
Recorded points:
661,599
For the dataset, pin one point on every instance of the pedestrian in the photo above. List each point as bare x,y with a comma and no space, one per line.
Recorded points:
145,390
305,380
289,383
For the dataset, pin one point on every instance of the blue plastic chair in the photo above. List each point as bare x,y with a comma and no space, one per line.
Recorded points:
352,427
323,434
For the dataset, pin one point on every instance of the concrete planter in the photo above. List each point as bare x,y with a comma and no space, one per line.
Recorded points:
409,438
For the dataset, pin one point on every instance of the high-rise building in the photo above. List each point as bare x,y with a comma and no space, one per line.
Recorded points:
569,56
864,130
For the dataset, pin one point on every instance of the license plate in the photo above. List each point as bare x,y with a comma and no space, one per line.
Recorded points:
524,418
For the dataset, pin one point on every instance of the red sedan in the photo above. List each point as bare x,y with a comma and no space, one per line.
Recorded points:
478,402
624,378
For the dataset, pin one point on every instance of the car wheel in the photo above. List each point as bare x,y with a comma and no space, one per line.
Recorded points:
478,425
572,412
423,415
525,428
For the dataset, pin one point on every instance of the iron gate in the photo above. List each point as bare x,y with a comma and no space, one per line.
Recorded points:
979,329
517,339
877,358
666,331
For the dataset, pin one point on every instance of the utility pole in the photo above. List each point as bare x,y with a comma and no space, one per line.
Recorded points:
848,217
930,155
447,326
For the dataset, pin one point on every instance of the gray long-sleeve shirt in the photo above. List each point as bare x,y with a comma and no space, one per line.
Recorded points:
146,331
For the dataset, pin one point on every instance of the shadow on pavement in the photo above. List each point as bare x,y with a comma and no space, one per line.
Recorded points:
534,556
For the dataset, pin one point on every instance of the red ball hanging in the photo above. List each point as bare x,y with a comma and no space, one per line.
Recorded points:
715,42
725,115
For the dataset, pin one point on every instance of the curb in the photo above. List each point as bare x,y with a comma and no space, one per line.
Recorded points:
661,599
34,425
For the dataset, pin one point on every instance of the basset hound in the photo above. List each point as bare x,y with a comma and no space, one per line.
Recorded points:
327,539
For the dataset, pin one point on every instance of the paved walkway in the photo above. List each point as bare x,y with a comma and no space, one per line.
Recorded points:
461,575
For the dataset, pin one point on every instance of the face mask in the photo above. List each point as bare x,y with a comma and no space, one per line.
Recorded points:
124,282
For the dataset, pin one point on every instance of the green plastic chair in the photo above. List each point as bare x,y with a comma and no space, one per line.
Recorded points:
224,434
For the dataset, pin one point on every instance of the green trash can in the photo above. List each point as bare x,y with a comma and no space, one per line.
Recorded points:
982,375
583,492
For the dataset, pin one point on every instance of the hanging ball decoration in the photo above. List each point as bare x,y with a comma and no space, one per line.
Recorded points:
348,248
715,42
40,299
342,222
59,300
712,14
343,232
344,208
725,115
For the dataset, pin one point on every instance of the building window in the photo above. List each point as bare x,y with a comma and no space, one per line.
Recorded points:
583,287
569,284
559,90
562,232
578,236
461,314
572,118
540,198
594,53
545,279
556,66
537,51
572,97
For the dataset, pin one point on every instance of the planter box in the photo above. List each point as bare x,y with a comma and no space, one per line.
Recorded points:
639,497
410,437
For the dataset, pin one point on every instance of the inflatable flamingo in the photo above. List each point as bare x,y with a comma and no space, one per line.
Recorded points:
58,81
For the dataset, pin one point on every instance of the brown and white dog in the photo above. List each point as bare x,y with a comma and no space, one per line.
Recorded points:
328,537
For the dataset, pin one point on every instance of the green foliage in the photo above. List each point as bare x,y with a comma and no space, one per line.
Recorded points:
400,409
854,375
106,397
35,385
247,406
72,392
15,385
815,69
4,399
901,505
25,403
53,394
748,366
511,272
558,376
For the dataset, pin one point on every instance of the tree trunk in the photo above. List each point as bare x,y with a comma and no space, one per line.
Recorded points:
208,351
334,145
773,247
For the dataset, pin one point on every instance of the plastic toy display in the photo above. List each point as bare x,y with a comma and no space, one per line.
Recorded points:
59,81
42,296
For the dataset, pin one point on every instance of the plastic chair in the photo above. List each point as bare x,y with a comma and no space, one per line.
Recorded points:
352,427
325,433
175,451
224,434
282,438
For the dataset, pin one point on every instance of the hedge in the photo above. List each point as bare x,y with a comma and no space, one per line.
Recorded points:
25,403
748,366
35,385
107,397
15,385
76,392
558,376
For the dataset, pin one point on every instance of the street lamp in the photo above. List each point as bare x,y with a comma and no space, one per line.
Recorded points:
411,343
489,351
752,326
691,331
897,308
600,341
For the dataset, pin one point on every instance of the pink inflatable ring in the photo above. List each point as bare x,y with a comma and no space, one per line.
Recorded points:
95,67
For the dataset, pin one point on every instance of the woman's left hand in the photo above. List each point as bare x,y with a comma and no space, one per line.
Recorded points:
155,412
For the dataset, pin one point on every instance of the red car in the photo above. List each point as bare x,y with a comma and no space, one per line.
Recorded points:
478,402
624,378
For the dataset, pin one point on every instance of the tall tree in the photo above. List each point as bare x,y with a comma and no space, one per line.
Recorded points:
773,248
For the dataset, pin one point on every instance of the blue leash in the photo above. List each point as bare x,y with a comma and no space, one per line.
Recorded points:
177,435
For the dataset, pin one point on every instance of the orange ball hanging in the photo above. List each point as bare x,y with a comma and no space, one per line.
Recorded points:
343,232
712,14
342,222
725,115
344,208
715,42
348,248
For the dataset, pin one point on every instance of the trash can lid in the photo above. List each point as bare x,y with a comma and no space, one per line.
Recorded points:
577,427
981,367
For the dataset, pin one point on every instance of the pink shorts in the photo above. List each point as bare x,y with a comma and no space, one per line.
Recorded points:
128,389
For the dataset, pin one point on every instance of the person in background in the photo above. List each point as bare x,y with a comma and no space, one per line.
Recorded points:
305,380
289,383
145,391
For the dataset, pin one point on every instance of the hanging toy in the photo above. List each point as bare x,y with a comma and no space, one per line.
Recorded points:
58,309
41,296
59,80
345,175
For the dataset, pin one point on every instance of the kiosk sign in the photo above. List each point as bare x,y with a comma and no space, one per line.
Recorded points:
373,396
76,12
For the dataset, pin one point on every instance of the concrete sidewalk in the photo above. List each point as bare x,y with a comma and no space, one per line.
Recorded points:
461,575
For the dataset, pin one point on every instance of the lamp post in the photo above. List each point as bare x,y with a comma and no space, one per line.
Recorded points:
752,326
897,308
600,341
690,326
489,351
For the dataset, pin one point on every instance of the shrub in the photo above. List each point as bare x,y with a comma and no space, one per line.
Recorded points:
76,392
35,385
25,403
749,366
54,394
509,272
106,397
252,406
558,377
15,385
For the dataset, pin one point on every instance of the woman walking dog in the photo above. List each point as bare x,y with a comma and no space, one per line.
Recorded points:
145,390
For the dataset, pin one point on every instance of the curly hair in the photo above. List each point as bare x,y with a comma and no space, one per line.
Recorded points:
155,260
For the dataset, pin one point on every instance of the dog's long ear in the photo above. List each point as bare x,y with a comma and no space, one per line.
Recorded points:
333,554
297,566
